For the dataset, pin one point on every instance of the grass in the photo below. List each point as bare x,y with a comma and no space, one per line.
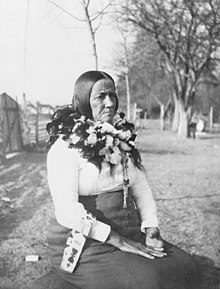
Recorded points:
184,176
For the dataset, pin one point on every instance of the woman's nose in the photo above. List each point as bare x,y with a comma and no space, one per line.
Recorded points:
108,101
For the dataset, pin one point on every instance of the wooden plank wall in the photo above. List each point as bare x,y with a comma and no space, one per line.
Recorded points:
10,135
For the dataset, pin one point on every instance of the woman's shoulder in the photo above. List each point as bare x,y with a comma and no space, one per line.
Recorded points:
60,149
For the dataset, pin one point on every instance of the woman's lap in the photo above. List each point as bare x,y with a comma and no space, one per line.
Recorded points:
103,267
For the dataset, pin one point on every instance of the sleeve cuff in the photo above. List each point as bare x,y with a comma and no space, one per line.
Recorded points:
147,224
99,231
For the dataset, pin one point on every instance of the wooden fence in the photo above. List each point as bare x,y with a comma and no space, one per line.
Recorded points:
37,116
22,127
10,127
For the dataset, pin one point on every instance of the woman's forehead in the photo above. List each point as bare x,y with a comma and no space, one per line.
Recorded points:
103,85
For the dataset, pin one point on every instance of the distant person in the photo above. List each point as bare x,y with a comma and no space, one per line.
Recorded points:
197,124
104,233
192,129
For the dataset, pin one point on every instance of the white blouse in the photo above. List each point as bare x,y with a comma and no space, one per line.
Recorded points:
71,176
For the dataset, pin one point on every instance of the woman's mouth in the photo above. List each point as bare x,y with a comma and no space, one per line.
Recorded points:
108,112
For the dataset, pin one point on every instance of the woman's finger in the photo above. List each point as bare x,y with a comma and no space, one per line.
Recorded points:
153,251
136,248
156,248
142,250
151,254
157,254
146,255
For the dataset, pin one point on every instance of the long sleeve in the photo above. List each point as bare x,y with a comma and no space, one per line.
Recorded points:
62,170
144,200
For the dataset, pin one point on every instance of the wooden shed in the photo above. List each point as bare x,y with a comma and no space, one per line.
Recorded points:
10,127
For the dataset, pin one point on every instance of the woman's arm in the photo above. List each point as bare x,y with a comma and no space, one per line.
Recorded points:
146,206
144,200
62,170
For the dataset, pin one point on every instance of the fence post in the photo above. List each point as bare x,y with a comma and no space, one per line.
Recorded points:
24,116
2,153
135,112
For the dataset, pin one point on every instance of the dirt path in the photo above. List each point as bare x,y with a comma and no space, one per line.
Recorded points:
184,176
24,220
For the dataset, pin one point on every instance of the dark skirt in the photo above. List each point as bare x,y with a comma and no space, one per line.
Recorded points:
102,266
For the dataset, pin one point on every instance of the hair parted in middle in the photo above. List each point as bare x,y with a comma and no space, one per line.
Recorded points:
83,88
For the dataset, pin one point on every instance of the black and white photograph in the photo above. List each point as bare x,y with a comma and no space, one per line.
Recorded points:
109,144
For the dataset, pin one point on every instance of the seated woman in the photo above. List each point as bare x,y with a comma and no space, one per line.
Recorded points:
104,233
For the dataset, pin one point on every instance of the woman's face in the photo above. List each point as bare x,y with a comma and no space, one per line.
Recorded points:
103,100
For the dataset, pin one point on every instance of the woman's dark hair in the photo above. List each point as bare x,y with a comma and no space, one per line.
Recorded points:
83,88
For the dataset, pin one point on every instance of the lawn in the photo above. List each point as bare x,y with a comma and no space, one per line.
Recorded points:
184,176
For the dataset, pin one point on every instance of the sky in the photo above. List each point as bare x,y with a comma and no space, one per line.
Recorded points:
56,50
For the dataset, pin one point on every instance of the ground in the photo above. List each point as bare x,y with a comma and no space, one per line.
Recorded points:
183,174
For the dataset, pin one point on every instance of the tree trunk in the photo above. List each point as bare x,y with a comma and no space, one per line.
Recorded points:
127,80
211,119
128,96
176,117
183,127
91,31
162,117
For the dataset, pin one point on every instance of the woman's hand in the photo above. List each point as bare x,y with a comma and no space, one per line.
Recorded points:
130,246
153,237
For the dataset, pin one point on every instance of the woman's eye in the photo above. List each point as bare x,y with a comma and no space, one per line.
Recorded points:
101,95
113,94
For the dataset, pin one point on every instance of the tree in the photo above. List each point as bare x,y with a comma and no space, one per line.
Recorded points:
149,84
188,34
123,57
92,18
92,31
149,79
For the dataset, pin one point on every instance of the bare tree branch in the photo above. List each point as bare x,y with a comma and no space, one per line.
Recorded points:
188,34
64,10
